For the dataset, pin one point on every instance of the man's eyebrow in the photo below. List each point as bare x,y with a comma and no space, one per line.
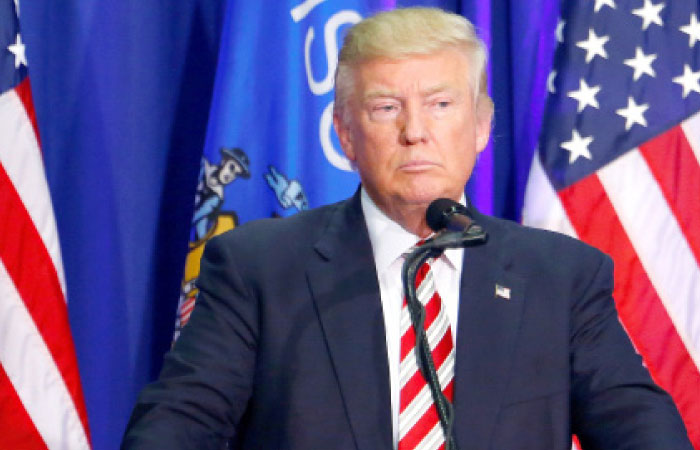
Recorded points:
388,93
377,93
443,87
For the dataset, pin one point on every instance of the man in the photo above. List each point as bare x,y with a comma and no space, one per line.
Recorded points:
298,340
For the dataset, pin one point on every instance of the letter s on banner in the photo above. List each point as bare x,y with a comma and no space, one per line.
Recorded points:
318,88
330,32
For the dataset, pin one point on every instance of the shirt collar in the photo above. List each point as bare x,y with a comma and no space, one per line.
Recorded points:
390,240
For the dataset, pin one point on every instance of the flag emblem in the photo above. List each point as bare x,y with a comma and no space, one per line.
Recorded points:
502,292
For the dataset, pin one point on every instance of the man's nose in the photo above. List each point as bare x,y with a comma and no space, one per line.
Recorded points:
414,127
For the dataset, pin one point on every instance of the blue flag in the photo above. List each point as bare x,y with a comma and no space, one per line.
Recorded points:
270,149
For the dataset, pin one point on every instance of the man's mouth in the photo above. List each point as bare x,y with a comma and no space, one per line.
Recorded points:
417,166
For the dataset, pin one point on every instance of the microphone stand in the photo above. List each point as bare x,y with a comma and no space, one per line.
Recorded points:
432,248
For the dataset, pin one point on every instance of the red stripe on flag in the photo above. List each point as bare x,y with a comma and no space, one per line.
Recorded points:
675,167
638,303
24,92
18,430
29,265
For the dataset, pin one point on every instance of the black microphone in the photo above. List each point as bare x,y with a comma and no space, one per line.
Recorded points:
444,213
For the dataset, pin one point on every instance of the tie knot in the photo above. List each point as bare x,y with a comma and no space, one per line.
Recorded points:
413,247
425,267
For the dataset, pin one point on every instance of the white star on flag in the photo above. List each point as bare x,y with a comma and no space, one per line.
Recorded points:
689,80
633,113
692,30
17,49
649,14
585,95
550,81
577,146
600,3
594,45
641,64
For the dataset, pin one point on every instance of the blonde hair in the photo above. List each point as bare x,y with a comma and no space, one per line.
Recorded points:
405,32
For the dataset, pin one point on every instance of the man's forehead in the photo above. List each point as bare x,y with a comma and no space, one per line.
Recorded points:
447,69
378,91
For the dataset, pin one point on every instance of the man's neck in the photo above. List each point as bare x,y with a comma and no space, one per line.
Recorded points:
410,217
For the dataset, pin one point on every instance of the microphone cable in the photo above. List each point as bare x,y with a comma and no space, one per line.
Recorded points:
433,248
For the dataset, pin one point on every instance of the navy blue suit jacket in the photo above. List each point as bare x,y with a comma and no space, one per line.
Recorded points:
286,347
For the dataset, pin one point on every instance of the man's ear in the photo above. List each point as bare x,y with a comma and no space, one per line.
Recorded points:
344,136
484,117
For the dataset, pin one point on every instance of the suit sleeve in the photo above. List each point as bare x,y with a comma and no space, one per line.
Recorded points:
615,404
207,378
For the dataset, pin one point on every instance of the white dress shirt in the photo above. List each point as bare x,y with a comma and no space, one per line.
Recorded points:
389,242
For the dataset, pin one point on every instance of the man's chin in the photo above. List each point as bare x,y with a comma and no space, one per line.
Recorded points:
427,189
423,198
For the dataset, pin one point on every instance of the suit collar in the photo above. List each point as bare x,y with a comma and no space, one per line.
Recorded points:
389,239
345,289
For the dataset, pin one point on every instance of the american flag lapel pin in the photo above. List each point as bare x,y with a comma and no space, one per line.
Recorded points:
502,292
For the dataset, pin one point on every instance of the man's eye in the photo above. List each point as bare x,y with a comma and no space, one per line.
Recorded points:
385,108
382,111
443,103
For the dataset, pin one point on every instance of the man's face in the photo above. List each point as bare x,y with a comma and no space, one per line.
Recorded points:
412,129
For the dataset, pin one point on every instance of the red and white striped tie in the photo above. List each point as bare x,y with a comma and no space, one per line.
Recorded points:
419,425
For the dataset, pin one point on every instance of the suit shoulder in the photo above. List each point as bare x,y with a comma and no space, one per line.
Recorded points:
541,243
259,234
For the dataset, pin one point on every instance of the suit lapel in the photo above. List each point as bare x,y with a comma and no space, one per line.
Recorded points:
488,325
345,290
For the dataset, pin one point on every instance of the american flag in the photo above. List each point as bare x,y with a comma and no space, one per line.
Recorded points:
618,166
41,401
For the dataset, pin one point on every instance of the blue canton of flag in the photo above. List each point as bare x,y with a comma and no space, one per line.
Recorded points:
623,75
618,166
13,62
